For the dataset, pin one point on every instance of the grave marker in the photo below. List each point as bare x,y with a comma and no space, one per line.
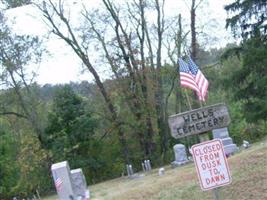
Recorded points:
129,170
147,165
143,167
246,144
161,171
180,155
223,134
79,184
62,180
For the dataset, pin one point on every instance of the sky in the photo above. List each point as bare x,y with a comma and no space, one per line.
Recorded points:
63,66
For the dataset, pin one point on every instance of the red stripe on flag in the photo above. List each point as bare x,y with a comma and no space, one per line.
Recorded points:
58,183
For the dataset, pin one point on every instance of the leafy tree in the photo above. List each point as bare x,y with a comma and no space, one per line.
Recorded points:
79,44
15,3
135,59
33,168
16,52
70,131
249,17
8,165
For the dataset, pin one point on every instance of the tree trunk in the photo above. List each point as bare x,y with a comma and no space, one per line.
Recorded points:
159,96
72,41
193,30
179,40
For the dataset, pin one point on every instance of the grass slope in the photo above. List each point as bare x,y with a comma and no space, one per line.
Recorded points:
249,175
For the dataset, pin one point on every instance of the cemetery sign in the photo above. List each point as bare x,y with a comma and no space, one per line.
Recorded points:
199,120
211,164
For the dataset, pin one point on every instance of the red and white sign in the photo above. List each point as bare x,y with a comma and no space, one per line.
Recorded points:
211,164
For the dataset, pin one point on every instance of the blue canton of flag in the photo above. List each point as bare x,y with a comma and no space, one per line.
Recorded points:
191,77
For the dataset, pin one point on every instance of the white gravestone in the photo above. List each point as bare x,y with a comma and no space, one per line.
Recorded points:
220,133
147,165
143,167
62,180
161,171
227,141
180,155
129,170
79,184
223,134
246,144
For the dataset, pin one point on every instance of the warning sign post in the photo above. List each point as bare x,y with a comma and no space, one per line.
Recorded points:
211,164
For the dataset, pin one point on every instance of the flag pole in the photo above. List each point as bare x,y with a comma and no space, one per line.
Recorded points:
205,136
188,99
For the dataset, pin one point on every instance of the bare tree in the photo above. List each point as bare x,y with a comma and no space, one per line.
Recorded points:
194,6
52,13
15,53
131,45
176,46
139,73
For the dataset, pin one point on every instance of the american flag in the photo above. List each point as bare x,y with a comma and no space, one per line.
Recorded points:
191,77
58,182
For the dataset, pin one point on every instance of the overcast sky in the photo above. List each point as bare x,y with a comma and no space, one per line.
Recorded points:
62,66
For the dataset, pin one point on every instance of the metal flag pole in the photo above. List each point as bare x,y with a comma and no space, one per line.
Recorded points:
203,138
216,194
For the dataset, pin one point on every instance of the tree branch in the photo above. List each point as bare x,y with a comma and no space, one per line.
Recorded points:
14,113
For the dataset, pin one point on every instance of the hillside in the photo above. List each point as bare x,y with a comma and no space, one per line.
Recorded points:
248,169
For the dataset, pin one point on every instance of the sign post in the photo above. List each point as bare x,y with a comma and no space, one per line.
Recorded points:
211,165
216,193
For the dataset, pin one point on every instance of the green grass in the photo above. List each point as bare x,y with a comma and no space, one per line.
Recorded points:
249,175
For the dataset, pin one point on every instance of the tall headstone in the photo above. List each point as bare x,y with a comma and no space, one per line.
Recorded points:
79,184
147,165
180,155
62,179
223,134
129,170
161,171
143,167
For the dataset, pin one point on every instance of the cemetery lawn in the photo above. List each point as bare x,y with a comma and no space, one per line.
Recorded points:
249,181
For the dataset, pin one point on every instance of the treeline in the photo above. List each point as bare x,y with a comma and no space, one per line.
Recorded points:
76,128
102,126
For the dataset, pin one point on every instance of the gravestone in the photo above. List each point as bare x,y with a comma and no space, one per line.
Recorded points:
223,134
246,144
161,171
227,141
143,167
180,155
79,184
62,179
129,170
220,133
147,165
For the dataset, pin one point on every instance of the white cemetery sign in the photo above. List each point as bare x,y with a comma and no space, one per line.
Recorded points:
199,120
211,164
